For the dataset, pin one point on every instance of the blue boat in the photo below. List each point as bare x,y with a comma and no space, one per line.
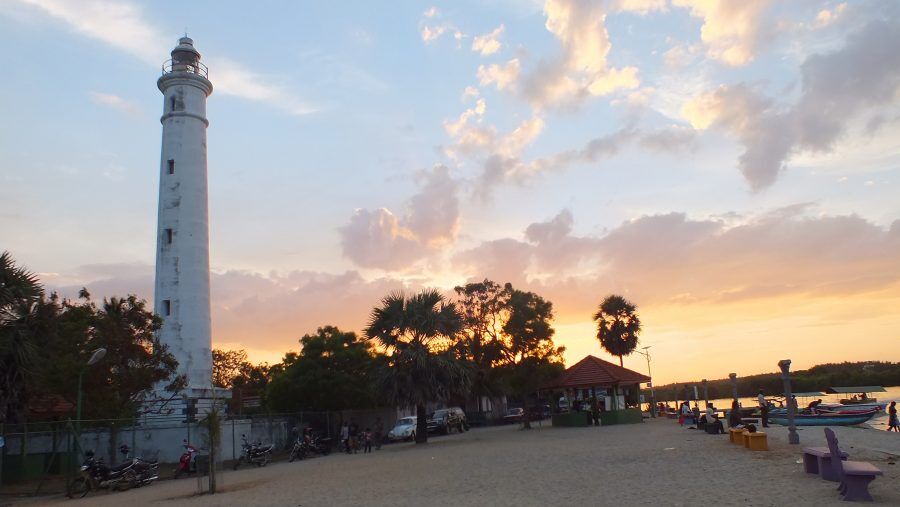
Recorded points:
823,419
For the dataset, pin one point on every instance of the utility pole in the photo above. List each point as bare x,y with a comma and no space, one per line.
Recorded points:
646,354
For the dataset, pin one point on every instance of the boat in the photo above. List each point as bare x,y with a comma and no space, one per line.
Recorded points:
847,409
824,419
863,391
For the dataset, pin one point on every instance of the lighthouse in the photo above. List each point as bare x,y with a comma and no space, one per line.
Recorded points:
181,294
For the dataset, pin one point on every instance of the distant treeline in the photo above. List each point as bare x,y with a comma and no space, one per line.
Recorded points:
817,378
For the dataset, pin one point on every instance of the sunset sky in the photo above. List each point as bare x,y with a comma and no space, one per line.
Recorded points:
732,167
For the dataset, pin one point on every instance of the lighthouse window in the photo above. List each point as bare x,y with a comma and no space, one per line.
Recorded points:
171,166
167,307
172,103
168,236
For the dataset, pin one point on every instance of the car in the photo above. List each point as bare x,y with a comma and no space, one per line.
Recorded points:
404,429
445,420
514,415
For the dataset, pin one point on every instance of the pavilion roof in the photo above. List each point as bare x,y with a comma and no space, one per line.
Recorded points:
595,372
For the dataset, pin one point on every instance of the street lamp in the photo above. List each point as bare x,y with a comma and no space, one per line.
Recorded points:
96,356
646,353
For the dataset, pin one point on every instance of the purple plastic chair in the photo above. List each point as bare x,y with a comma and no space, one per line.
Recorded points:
855,476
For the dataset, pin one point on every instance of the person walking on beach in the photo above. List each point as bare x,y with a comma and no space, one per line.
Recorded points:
763,409
893,423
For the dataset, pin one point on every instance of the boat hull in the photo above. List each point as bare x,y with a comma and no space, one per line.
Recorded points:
824,419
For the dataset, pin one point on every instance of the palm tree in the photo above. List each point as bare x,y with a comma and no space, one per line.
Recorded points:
416,333
20,293
618,326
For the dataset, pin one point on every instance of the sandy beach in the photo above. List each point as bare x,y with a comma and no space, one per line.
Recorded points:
655,462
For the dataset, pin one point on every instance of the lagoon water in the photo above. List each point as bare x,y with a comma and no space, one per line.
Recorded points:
879,422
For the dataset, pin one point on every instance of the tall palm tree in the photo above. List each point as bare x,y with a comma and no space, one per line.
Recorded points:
618,326
416,333
20,293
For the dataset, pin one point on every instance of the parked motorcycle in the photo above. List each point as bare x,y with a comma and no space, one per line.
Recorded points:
132,472
257,454
187,463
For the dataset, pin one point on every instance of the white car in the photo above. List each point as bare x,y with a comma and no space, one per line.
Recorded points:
405,429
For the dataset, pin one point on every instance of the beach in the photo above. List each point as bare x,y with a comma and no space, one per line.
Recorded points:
654,462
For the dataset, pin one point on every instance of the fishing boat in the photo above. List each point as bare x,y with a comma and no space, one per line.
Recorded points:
825,418
849,409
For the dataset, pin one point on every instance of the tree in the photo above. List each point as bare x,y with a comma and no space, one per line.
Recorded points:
332,372
484,309
420,366
529,355
227,365
20,295
618,326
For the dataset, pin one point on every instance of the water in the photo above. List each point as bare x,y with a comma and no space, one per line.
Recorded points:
879,422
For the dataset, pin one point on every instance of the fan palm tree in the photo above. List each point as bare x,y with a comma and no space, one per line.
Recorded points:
20,293
618,326
416,333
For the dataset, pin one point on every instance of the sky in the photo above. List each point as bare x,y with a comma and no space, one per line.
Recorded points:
731,167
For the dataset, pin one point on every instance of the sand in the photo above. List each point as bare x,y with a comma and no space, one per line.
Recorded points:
655,462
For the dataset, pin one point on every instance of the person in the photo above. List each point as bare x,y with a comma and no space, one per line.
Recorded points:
893,423
595,410
354,436
367,436
379,433
686,413
864,397
734,417
345,437
763,409
712,420
813,405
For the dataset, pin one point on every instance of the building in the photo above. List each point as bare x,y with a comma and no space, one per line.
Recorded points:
181,294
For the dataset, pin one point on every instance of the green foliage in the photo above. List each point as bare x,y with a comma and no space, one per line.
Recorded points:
333,371
20,295
45,343
417,334
530,358
484,307
618,326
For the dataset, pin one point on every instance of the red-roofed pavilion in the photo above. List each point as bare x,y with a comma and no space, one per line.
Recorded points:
608,382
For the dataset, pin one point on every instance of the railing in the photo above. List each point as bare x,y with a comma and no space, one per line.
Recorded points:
194,68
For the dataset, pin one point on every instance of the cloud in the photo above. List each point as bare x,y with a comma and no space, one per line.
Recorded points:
503,167
488,43
122,25
263,313
731,29
501,76
116,102
431,30
837,87
826,17
379,239
674,259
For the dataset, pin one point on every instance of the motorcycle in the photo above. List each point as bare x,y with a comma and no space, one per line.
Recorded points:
309,443
187,463
257,454
131,473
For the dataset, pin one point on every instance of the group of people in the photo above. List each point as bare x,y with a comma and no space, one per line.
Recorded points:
692,416
352,439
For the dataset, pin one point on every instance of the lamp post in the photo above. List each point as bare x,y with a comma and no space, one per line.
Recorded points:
646,354
96,356
785,365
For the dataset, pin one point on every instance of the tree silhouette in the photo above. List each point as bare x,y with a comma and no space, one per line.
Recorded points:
618,326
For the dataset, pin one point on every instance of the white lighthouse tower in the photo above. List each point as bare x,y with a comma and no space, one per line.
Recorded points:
181,297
